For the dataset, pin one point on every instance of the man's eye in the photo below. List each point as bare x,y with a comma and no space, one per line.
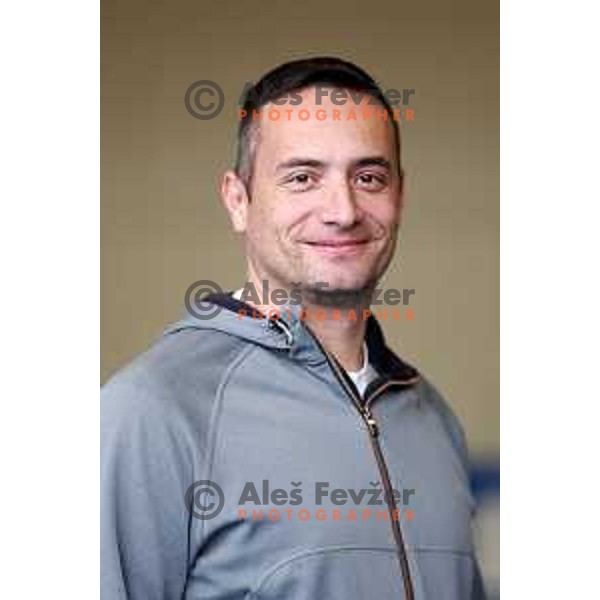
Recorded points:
301,178
372,181
300,181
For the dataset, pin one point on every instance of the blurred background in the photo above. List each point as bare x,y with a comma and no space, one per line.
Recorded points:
163,226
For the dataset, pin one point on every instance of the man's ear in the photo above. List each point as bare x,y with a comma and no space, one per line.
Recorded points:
235,198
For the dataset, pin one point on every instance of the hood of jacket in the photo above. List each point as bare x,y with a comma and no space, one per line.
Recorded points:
289,332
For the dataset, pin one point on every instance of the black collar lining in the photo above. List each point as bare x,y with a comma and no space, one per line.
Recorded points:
385,362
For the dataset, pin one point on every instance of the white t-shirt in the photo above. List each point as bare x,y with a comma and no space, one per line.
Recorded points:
361,378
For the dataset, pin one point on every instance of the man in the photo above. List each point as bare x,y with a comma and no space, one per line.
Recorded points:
286,457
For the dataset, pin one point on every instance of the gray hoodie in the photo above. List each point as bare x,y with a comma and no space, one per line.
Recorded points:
240,462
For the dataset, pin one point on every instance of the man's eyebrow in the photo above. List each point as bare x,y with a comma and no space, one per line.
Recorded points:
368,161
300,162
374,161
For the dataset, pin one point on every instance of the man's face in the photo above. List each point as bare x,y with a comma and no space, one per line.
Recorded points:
325,196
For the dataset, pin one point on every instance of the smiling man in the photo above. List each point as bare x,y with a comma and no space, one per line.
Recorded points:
328,199
225,405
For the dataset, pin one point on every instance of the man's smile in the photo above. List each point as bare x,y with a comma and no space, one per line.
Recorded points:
339,246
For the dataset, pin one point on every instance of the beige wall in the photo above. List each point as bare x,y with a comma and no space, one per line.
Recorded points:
163,227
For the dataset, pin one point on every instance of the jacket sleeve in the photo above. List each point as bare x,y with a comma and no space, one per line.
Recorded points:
147,462
458,439
478,592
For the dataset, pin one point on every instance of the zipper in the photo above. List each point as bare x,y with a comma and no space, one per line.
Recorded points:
373,429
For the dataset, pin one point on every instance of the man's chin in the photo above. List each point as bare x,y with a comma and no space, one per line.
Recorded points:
338,280
338,293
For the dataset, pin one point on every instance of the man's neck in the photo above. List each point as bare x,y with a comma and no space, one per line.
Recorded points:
340,336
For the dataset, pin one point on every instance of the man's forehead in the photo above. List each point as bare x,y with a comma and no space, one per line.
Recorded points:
303,123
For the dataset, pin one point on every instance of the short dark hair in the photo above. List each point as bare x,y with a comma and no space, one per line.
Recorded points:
295,76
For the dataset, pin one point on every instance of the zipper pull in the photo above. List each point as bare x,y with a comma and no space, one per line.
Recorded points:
371,423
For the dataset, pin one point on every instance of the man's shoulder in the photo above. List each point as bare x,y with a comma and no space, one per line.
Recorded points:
434,400
179,375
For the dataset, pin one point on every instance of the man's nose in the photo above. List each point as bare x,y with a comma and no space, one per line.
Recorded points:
340,208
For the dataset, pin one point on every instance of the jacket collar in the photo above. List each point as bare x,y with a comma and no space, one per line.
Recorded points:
289,332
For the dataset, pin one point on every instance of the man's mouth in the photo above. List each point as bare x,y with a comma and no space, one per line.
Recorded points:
338,246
